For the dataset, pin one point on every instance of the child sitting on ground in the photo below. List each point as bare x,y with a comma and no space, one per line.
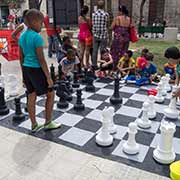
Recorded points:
173,56
170,69
143,55
69,62
126,64
149,72
106,63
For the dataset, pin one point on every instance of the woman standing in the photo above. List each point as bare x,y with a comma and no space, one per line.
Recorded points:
121,26
85,36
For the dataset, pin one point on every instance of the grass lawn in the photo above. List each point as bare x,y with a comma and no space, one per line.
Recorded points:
157,48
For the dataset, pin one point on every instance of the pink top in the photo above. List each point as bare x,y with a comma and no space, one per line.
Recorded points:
84,31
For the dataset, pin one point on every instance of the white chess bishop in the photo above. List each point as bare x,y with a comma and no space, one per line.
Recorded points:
171,111
159,98
164,153
151,112
144,121
130,146
167,85
164,91
111,127
103,138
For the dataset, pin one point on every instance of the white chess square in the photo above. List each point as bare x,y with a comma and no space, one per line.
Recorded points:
69,119
77,136
124,100
24,99
70,106
160,107
139,97
176,143
129,89
121,132
137,157
106,92
85,94
27,124
100,85
93,104
129,111
96,114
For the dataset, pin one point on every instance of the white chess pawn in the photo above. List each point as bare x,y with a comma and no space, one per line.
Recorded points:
144,121
164,153
164,91
130,146
171,111
167,86
103,138
151,112
112,127
159,98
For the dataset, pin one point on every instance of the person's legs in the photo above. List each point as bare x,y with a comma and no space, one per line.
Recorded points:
96,44
50,43
31,108
103,44
82,49
49,106
87,56
0,69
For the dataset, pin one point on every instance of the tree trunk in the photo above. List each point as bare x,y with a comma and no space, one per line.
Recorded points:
141,11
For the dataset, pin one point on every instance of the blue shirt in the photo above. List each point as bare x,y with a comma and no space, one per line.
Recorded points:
148,71
29,41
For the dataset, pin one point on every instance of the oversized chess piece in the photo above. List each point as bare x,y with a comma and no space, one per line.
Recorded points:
164,91
69,95
3,108
103,138
75,80
60,73
164,153
159,98
130,146
85,76
112,127
144,121
52,72
167,85
12,84
171,111
116,98
151,112
79,105
69,87
19,116
62,94
90,86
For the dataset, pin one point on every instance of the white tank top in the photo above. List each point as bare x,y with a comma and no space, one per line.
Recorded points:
25,28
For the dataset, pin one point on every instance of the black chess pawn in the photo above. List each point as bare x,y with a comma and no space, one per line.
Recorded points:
52,72
116,98
19,116
75,80
79,105
60,73
90,86
3,108
62,94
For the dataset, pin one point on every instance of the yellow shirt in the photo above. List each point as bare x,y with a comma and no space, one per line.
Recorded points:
131,61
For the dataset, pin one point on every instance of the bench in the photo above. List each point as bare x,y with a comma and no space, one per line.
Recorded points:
151,29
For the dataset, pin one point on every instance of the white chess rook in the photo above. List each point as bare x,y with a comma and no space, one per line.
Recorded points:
159,98
164,152
171,111
164,91
151,112
112,127
167,85
103,138
144,121
130,146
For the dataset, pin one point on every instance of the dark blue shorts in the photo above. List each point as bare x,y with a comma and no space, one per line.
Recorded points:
35,80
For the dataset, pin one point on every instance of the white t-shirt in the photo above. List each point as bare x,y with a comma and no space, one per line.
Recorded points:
25,27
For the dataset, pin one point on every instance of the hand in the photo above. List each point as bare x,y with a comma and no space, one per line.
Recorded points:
176,93
50,82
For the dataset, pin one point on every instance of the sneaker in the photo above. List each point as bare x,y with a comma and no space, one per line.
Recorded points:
52,125
37,128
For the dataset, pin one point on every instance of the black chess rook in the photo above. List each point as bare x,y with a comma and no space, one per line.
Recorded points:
18,116
79,106
75,80
116,98
3,108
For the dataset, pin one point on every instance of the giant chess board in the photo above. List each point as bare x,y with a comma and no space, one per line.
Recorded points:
79,129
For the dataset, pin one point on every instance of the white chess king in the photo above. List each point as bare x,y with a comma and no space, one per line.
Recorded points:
164,153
